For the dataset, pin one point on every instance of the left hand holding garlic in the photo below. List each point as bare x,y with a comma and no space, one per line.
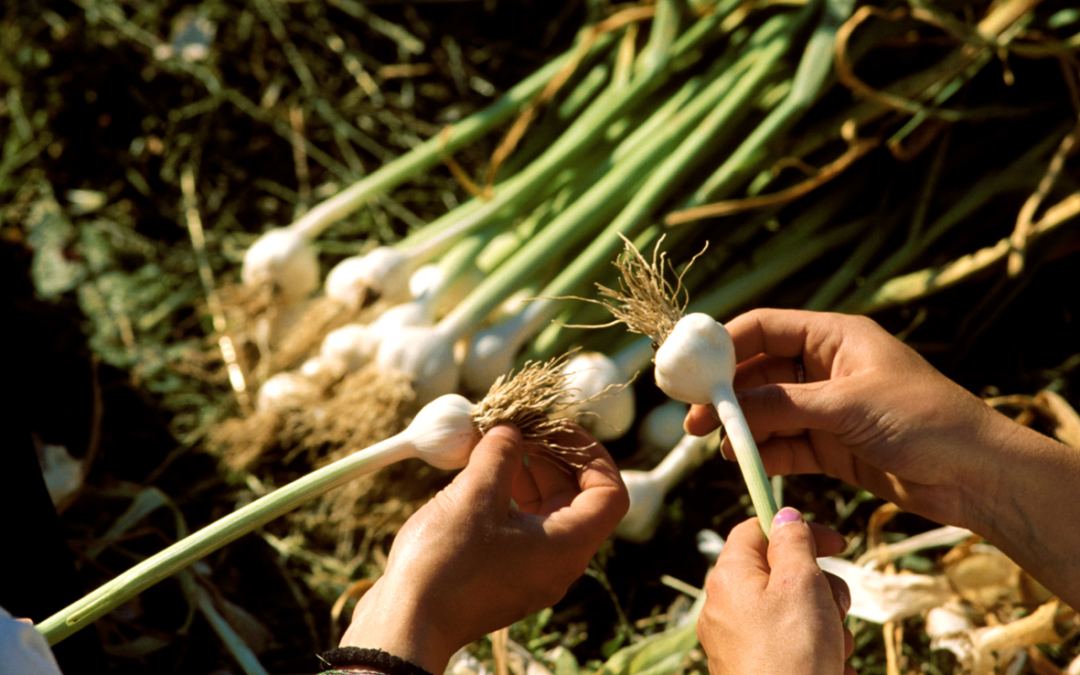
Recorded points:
467,563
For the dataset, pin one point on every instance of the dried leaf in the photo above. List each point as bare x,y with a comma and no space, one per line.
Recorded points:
1064,417
880,597
986,577
1036,628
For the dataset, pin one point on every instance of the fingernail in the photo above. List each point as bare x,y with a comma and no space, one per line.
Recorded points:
786,515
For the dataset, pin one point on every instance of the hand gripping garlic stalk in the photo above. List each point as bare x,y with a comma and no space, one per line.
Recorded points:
695,357
442,434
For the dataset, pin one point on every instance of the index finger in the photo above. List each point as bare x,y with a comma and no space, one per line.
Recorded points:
598,497
816,337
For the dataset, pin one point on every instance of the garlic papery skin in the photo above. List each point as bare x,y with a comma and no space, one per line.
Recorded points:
423,354
611,414
648,489
382,274
696,365
287,260
285,391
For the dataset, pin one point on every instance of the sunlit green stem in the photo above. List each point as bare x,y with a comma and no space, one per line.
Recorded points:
746,452
219,533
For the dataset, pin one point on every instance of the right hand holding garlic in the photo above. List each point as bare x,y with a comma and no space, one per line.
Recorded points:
875,414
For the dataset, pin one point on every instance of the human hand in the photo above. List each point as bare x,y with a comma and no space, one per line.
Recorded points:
467,563
770,609
875,414
871,412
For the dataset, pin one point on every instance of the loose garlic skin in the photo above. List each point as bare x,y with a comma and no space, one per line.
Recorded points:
384,272
286,259
607,418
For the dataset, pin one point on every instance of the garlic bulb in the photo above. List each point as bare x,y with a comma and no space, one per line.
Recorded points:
285,391
383,274
696,365
648,489
424,355
662,427
696,360
349,347
429,281
611,414
491,354
493,348
286,259
426,279
443,433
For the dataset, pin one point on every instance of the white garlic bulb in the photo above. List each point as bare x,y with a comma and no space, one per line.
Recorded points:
285,259
611,414
383,274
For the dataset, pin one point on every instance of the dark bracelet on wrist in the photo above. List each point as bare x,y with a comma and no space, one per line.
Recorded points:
361,659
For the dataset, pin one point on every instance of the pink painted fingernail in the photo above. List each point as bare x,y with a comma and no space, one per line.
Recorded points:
786,515
845,601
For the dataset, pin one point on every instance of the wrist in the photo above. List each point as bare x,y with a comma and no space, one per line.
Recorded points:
1028,509
396,623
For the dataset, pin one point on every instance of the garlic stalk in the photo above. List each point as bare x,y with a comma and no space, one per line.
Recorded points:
442,434
285,256
649,488
695,357
696,365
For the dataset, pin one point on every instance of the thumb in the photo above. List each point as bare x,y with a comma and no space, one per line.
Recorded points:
494,462
792,549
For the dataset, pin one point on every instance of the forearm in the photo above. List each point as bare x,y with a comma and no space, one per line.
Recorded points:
1029,507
